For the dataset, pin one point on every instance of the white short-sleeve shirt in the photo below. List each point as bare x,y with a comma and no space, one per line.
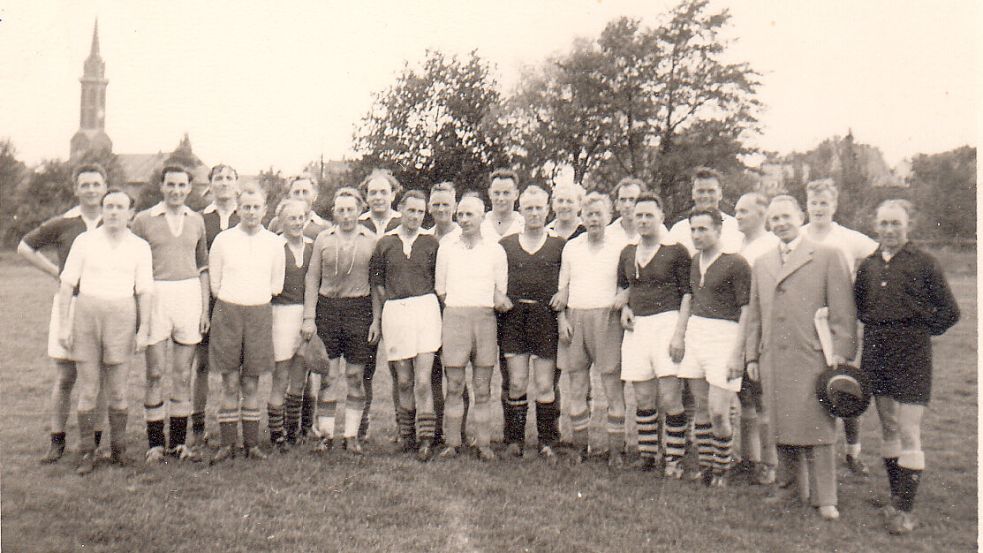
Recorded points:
469,276
854,245
731,236
106,270
591,273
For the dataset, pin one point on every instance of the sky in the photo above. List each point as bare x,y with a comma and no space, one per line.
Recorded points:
257,84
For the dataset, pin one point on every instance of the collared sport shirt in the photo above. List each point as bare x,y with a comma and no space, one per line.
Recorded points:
60,232
176,256
404,276
590,274
469,276
294,273
342,265
391,222
533,276
106,270
215,222
731,236
247,269
490,232
724,287
909,290
659,285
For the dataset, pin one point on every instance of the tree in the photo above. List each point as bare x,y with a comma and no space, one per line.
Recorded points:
945,193
48,192
646,102
184,156
12,172
275,185
434,123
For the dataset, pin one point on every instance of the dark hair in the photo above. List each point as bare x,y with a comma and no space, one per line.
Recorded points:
701,173
649,197
504,174
219,167
175,169
412,194
90,167
714,214
628,181
116,191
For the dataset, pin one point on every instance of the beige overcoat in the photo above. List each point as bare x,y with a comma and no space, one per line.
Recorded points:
782,336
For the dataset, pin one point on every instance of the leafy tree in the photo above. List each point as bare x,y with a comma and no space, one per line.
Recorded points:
184,156
944,190
48,192
275,185
434,123
12,173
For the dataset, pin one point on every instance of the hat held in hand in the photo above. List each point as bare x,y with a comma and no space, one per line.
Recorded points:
844,391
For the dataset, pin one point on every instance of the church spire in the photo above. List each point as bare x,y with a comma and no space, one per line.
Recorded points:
95,68
91,135
94,51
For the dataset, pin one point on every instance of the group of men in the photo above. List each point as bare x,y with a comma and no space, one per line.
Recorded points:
694,317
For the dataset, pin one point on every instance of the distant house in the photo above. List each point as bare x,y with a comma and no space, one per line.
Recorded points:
141,169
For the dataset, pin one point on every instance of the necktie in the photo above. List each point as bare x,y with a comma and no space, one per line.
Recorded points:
783,252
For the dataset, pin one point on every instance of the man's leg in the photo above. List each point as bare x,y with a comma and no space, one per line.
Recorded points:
911,464
354,404
274,407
61,399
153,401
89,380
182,356
887,413
547,410
453,411
851,428
367,374
647,420
720,402
115,389
327,406
437,391
671,403
703,430
199,394
517,402
293,399
614,391
481,385
406,412
250,416
423,400
579,411
821,460
228,416
769,455
750,437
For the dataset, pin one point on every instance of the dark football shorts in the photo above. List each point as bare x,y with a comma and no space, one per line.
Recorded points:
898,361
530,328
343,325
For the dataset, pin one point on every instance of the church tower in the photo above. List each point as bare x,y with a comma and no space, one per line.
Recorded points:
91,135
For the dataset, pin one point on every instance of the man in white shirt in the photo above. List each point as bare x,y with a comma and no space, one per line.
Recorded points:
589,326
109,265
757,447
247,267
626,195
472,280
707,193
821,198
503,219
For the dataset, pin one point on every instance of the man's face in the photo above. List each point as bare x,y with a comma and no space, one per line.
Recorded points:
595,219
625,202
469,216
648,217
821,206
784,219
292,218
304,191
252,208
412,213
706,193
224,184
116,211
748,214
705,233
175,188
90,188
345,213
442,206
502,194
565,204
892,226
379,195
533,210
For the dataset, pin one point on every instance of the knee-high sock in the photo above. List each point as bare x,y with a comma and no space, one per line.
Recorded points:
547,423
425,426
911,464
437,389
675,436
406,422
274,421
228,424
179,411
363,424
307,408
154,415
482,423
291,415
198,423
325,419
580,423
647,421
890,451
250,427
616,433
515,419
750,436
454,421
353,414
87,438
703,438
117,428
722,453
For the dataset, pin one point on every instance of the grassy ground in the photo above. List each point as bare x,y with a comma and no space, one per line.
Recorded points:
387,502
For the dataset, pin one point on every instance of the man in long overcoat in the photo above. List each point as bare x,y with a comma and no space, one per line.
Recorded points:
789,284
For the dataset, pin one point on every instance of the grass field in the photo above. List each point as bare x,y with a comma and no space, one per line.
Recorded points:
388,502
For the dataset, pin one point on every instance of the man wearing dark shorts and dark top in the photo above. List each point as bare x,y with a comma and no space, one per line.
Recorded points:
529,330
902,299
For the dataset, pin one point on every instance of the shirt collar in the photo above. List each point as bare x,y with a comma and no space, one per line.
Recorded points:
160,208
211,208
359,230
791,246
317,219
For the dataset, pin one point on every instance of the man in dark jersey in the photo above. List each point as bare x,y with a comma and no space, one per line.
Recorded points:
219,215
902,299
529,330
401,272
653,277
60,232
714,360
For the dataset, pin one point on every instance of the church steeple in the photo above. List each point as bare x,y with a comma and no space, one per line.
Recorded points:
92,115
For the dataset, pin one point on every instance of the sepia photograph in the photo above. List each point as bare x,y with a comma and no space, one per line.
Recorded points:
492,276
